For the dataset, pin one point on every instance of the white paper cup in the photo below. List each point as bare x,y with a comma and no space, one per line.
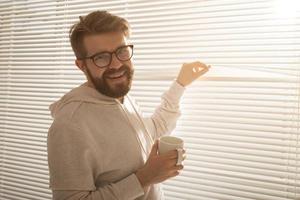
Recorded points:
169,143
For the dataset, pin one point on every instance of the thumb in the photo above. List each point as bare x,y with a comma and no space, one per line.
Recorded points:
154,149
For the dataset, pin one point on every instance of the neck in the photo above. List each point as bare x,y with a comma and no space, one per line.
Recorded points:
121,99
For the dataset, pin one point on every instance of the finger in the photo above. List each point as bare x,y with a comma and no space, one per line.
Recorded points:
200,69
171,154
171,163
178,167
176,173
197,63
200,64
203,67
202,72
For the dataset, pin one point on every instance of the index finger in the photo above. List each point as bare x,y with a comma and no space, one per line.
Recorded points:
172,154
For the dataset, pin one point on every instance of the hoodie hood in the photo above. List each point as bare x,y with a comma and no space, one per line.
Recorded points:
82,93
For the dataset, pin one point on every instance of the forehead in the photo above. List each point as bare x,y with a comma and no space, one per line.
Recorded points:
103,42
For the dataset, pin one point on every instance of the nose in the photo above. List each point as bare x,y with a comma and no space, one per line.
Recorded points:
115,62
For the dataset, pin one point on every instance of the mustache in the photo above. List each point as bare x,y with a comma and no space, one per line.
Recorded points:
125,68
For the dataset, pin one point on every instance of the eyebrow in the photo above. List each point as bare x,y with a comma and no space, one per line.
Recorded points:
105,51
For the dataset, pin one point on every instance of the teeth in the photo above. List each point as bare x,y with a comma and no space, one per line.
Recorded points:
117,75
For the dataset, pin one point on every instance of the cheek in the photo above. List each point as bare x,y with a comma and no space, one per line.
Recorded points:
99,73
129,64
96,73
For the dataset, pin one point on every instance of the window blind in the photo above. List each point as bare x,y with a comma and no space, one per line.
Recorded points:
240,122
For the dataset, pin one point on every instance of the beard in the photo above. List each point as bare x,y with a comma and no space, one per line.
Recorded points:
115,90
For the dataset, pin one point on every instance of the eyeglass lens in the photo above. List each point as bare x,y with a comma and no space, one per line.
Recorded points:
104,59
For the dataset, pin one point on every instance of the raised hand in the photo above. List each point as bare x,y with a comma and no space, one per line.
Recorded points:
190,72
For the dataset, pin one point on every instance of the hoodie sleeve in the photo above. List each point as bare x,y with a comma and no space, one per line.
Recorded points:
72,165
164,119
126,189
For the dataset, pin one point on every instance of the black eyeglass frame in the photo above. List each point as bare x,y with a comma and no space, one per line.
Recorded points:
110,53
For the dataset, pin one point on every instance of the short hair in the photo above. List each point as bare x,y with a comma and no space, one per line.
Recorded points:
96,22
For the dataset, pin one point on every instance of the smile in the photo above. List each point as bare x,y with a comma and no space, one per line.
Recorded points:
116,75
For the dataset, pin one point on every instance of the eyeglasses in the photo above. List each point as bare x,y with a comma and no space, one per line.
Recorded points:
103,59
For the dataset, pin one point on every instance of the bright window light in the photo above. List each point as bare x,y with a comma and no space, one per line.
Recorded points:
287,8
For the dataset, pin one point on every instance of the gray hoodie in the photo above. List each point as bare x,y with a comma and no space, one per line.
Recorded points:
96,144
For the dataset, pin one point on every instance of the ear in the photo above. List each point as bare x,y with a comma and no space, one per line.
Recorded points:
80,65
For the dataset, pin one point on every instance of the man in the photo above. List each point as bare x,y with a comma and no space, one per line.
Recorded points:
99,145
